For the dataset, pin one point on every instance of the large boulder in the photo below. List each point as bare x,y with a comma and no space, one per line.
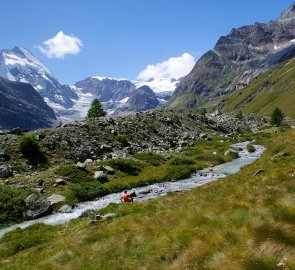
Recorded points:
5,171
55,199
36,206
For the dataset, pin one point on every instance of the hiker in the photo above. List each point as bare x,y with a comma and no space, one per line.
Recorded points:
125,197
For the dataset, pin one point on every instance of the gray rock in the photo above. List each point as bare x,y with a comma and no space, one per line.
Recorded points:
98,175
55,199
5,171
203,136
87,213
279,155
36,206
109,215
4,156
81,166
109,169
65,209
88,160
40,182
60,182
231,152
260,171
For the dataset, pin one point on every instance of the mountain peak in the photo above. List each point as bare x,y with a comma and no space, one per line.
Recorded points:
288,15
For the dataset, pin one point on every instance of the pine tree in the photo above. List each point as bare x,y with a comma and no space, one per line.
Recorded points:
277,117
96,109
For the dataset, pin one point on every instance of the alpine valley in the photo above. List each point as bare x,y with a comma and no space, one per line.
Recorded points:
119,96
206,160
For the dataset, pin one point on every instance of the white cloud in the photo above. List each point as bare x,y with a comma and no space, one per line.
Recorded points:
61,45
174,67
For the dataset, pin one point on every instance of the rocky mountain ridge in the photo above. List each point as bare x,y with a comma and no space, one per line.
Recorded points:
236,60
21,65
22,106
118,95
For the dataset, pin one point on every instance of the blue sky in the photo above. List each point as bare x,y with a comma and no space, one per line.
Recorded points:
121,37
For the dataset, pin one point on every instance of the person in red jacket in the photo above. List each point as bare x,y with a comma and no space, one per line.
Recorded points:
125,197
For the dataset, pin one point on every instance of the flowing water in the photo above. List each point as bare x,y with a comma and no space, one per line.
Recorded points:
153,191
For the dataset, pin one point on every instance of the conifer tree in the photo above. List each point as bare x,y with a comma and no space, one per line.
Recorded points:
277,117
96,109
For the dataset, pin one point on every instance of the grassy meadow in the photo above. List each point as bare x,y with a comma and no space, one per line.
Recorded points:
238,222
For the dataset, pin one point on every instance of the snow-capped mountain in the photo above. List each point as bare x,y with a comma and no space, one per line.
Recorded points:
119,96
115,93
21,65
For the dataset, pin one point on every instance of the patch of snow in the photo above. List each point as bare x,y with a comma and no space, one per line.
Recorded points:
292,40
158,85
23,80
10,77
124,100
109,78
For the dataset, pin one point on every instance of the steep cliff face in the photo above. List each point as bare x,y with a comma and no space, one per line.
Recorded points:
236,59
22,106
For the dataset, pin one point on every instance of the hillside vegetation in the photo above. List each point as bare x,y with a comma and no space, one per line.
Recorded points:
274,88
239,222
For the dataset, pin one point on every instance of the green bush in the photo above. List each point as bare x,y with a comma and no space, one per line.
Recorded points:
151,158
277,117
87,191
178,172
11,204
30,149
122,138
250,148
128,166
73,174
181,161
239,115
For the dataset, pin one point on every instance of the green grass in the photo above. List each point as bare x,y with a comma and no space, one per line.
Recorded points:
150,157
71,173
238,222
272,89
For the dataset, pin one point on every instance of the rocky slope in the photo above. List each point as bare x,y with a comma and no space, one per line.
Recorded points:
21,65
158,130
236,60
21,106
274,88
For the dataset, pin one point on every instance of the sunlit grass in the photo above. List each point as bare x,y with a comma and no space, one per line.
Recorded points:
239,222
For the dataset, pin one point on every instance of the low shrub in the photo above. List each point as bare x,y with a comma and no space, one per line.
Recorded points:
11,204
87,191
122,139
30,149
128,166
151,158
73,174
178,172
181,161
